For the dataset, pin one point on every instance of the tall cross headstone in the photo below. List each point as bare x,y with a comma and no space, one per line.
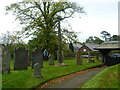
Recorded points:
5,57
78,58
21,58
37,57
59,41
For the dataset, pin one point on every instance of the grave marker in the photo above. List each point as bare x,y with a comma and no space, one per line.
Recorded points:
78,58
21,58
5,58
37,70
37,57
51,59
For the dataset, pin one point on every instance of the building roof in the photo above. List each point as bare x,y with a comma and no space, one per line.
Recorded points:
77,46
112,45
89,45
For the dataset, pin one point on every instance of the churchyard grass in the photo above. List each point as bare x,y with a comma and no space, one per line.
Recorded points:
107,78
25,78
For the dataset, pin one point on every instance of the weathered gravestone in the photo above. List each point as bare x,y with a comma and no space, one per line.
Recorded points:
5,59
78,58
21,58
37,57
51,59
37,70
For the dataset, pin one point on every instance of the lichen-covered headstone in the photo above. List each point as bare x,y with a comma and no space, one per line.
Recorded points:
37,57
78,58
21,58
37,70
5,58
51,59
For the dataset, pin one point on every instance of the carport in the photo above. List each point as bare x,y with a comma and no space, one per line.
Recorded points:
106,47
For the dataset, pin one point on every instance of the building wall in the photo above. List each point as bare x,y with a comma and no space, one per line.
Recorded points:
84,48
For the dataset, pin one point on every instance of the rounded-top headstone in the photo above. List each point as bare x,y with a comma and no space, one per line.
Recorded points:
21,58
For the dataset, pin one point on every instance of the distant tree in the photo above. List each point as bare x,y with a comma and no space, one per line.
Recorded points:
105,35
11,38
97,40
94,39
114,38
90,40
71,47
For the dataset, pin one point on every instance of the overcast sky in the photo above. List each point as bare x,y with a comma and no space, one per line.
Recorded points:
101,15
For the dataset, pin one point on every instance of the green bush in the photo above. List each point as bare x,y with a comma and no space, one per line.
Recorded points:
69,54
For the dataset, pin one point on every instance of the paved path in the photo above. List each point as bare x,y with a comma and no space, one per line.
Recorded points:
77,81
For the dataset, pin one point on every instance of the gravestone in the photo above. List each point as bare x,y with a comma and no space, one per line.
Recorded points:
37,57
37,70
5,58
21,58
78,58
51,59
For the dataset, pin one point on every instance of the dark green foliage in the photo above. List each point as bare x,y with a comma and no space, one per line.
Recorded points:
97,40
71,47
69,54
105,35
115,38
90,40
94,39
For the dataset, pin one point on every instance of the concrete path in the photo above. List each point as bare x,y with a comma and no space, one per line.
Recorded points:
77,81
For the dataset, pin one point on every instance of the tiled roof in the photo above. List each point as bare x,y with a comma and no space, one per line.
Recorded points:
89,45
109,45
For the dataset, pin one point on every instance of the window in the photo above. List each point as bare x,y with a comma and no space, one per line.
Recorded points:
84,50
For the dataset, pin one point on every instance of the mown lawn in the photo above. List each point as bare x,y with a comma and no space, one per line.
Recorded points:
107,78
25,78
